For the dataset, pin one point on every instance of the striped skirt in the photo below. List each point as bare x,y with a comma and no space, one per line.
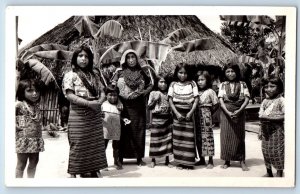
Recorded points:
232,137
273,145
204,132
133,135
87,149
161,135
183,139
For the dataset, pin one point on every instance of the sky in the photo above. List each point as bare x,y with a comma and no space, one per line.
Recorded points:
43,23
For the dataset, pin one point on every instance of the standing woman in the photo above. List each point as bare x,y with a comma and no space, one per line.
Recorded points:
134,85
234,97
82,87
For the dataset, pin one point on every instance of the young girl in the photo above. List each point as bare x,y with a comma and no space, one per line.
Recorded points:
82,87
208,102
234,97
112,108
271,115
183,99
161,131
29,141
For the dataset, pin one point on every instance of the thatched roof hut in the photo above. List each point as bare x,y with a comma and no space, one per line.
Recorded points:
155,28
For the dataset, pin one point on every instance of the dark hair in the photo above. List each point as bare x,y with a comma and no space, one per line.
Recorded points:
111,89
235,68
187,69
27,83
207,77
158,77
274,80
90,57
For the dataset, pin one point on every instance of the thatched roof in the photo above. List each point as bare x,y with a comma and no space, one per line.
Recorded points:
159,27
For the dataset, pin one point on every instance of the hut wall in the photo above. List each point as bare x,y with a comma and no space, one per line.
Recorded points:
49,107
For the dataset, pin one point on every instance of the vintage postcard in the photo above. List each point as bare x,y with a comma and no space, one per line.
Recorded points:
160,96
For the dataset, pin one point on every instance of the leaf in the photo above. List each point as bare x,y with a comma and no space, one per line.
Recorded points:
280,23
194,45
85,26
229,18
46,75
177,35
145,50
55,54
42,47
110,28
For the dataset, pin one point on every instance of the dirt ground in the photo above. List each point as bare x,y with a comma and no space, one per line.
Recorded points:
53,161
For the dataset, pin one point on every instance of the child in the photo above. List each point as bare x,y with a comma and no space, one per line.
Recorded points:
29,141
271,115
111,123
208,102
183,99
160,127
234,97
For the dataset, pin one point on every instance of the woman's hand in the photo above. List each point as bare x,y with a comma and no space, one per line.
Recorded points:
188,116
120,106
180,117
237,112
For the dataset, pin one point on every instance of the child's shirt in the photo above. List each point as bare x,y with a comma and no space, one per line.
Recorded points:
183,93
111,121
28,128
208,98
272,107
162,105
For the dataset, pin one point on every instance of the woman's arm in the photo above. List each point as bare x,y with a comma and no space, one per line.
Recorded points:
242,107
268,118
178,115
70,95
214,108
189,114
102,96
151,105
223,107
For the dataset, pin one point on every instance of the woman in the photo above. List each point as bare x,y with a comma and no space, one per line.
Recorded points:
82,87
134,85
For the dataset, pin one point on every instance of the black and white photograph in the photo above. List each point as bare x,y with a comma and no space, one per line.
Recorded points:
150,96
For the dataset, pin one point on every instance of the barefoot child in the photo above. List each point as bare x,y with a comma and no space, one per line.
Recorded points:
112,122
183,99
271,115
161,131
29,141
208,102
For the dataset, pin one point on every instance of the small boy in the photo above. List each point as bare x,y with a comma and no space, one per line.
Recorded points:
112,108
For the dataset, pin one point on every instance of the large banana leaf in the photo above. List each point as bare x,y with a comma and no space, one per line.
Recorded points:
110,28
55,54
46,75
145,49
86,26
195,45
246,59
42,47
177,35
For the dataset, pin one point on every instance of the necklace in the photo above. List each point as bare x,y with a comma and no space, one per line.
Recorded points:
32,110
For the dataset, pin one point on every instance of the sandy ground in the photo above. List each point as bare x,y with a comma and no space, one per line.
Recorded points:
54,161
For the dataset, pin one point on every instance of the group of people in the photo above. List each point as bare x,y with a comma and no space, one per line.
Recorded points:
181,118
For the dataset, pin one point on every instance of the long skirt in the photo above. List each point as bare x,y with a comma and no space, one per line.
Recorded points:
204,132
87,148
133,135
273,144
183,139
161,135
232,137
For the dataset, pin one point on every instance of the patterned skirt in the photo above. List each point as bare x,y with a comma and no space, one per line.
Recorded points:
161,135
273,144
183,139
232,137
87,149
204,132
133,135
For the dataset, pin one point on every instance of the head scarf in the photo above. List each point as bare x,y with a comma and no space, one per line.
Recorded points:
132,76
